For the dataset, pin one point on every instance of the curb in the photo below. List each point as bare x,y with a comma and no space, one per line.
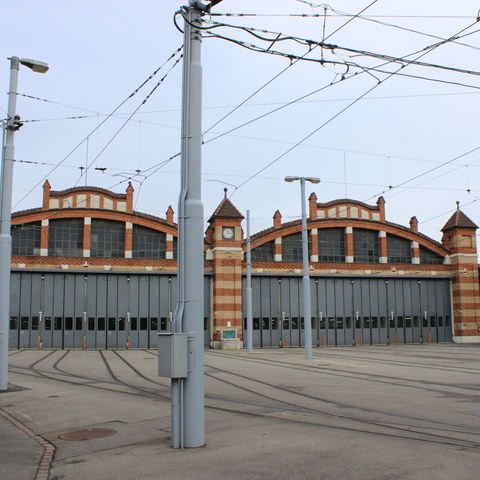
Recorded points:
43,469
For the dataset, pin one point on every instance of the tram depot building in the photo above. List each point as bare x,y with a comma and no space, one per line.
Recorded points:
90,272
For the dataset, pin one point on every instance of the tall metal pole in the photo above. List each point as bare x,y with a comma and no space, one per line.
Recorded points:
249,288
5,222
306,278
11,125
188,402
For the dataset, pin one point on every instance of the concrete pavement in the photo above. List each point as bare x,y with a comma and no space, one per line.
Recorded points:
405,412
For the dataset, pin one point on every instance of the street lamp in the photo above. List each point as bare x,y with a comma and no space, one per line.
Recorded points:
11,125
306,276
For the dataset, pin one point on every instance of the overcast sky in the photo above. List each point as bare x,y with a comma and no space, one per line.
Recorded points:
402,126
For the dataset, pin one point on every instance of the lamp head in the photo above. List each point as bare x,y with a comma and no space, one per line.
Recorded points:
35,65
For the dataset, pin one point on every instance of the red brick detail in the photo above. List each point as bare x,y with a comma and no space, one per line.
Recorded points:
313,243
46,195
296,227
381,206
312,206
87,228
467,333
414,224
169,215
44,238
349,244
129,198
382,247
128,239
277,219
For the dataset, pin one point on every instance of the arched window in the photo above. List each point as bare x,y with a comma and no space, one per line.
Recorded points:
107,239
26,239
331,245
429,257
399,250
292,248
365,245
148,243
65,238
264,253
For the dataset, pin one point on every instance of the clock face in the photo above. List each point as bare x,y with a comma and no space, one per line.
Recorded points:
228,233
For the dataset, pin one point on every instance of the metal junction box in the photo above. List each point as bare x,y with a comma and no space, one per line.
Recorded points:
173,355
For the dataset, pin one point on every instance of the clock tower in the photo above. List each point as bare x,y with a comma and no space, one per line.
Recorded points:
224,247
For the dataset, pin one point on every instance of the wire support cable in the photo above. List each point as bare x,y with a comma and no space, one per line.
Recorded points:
424,52
110,115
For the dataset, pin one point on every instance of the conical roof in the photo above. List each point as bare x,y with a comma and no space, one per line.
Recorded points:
458,220
226,209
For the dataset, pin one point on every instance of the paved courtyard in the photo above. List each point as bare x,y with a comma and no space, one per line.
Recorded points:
397,412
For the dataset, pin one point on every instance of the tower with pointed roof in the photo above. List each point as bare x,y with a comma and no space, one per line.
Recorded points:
459,237
225,236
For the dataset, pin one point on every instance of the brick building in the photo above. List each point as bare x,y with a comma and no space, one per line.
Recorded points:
90,272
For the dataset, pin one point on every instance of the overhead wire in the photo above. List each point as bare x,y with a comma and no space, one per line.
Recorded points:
133,113
424,52
174,54
282,72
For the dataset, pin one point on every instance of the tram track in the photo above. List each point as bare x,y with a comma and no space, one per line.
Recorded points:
345,405
294,406
274,407
357,375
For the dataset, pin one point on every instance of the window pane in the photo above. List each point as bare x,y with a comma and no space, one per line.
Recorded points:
107,239
34,323
68,323
143,323
148,243
399,250
292,248
101,323
65,238
91,324
57,323
274,323
48,323
256,324
331,245
121,324
429,257
163,324
133,323
26,239
13,323
294,323
153,324
112,324
265,252
365,245
24,321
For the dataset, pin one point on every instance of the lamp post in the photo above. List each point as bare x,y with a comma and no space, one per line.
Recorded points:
11,125
306,275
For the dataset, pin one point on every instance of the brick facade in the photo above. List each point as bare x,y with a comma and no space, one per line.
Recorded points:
224,254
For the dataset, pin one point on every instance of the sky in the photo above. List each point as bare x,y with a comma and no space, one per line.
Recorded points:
363,123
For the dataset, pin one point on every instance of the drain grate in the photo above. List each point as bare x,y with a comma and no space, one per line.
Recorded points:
87,434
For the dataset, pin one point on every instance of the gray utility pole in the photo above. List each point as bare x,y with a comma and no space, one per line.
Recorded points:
188,394
11,126
307,316
249,288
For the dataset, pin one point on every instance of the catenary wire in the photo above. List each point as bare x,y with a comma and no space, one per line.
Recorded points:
424,52
99,125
